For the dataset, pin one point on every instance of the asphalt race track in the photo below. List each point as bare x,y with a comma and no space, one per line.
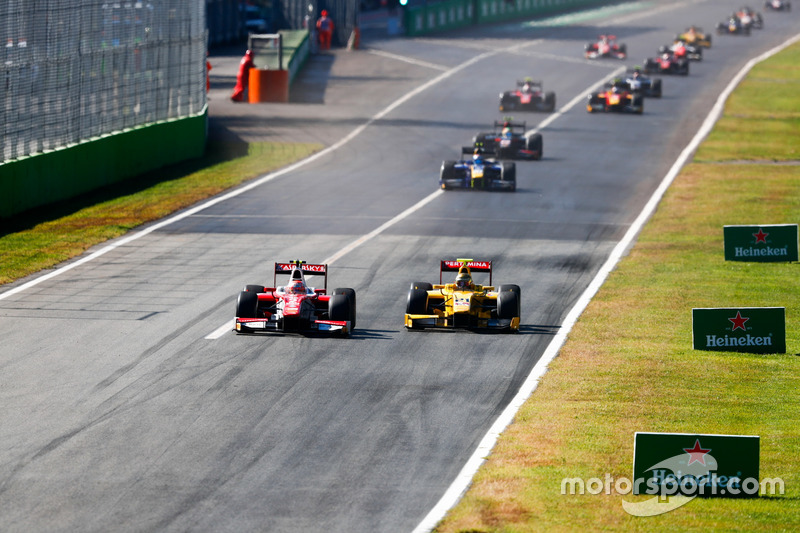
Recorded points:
124,411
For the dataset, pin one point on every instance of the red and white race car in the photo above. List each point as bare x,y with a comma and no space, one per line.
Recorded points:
296,307
606,46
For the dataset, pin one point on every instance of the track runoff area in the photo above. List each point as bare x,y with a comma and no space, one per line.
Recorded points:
627,13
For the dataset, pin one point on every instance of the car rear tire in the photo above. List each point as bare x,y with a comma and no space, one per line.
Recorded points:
656,91
508,172
351,296
508,305
638,104
535,144
511,288
550,101
339,307
417,303
447,172
247,304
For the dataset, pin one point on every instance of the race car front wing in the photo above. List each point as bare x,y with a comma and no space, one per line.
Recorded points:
245,325
450,322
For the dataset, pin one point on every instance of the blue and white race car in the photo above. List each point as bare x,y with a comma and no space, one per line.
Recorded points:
478,172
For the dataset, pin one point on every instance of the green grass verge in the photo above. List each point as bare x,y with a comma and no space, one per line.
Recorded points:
628,364
43,238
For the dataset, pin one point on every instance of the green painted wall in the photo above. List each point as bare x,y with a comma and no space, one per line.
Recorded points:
65,173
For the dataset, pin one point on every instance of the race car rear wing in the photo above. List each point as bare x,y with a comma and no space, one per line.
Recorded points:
508,123
536,83
474,266
306,268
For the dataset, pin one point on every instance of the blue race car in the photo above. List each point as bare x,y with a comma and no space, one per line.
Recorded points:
478,172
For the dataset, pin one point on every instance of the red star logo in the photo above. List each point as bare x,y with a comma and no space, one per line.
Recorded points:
697,454
738,321
760,236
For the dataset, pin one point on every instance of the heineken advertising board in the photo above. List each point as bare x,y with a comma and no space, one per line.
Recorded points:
745,329
667,464
767,243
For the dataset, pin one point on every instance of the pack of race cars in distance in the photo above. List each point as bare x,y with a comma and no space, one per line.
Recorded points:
616,97
480,172
296,307
778,5
529,96
741,22
509,141
463,304
605,46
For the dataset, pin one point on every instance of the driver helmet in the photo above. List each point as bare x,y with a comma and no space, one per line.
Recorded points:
297,287
477,157
463,280
636,73
506,132
665,56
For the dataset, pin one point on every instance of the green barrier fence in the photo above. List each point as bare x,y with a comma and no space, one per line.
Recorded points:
451,14
57,175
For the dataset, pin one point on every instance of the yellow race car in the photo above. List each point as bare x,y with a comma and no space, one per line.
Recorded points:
463,304
695,37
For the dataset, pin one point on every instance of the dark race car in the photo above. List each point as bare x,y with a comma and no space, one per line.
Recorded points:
733,26
606,46
478,172
695,36
508,141
683,50
616,97
296,307
667,63
750,17
530,96
778,5
639,83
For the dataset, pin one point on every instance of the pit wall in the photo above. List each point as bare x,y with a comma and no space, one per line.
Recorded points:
452,14
58,175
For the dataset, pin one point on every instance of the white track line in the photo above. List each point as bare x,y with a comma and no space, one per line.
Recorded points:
407,59
454,492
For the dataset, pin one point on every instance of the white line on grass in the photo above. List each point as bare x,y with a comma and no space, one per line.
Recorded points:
454,492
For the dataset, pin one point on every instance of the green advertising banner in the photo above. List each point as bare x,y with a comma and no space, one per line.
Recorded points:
685,464
744,329
766,243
